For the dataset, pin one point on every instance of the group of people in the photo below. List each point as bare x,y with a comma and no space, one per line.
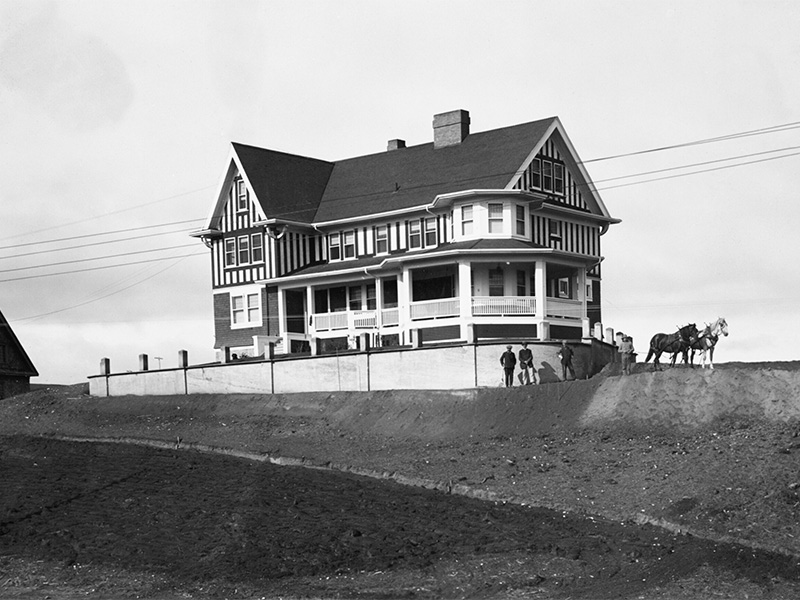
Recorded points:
527,375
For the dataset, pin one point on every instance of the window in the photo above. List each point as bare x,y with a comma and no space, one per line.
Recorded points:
414,235
230,252
589,292
241,195
563,287
372,302
349,244
334,247
521,278
555,229
520,220
246,309
355,297
558,178
466,220
430,232
257,247
381,239
244,250
536,173
496,287
547,175
495,218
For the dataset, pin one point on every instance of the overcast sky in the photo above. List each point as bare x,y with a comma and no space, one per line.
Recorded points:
116,118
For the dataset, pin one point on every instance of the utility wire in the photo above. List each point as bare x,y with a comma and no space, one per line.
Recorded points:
90,301
139,262
82,260
113,212
99,233
730,136
127,239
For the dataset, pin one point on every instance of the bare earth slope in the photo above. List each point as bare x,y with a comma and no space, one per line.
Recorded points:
713,454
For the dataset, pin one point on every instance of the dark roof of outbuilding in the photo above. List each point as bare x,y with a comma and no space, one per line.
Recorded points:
298,188
19,362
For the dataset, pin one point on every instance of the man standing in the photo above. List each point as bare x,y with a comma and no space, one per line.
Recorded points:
526,364
565,354
626,351
509,361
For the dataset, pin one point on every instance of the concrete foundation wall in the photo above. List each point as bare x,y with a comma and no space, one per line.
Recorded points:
460,366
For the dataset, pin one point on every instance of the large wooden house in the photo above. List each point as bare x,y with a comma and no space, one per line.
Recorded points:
16,369
473,236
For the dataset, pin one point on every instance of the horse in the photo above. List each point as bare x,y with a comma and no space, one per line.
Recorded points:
672,343
707,340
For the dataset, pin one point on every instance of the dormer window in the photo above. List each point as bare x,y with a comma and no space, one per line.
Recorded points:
558,178
334,247
430,232
414,235
381,239
349,244
241,195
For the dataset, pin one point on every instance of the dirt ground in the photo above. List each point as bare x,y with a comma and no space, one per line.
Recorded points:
679,484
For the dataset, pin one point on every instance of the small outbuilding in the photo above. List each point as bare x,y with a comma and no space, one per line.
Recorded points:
16,368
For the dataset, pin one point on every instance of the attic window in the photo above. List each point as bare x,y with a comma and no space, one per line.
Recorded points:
241,195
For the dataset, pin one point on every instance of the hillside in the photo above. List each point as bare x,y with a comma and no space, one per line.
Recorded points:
714,454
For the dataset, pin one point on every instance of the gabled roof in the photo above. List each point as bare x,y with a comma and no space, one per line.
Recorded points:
285,185
305,190
15,354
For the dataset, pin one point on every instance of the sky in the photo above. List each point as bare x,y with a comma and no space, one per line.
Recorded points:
116,120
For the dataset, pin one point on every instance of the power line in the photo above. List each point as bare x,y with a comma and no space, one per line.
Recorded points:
611,187
90,301
127,239
99,233
113,212
731,136
139,262
82,260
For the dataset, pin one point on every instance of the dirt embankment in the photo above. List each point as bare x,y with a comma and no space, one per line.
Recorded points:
712,453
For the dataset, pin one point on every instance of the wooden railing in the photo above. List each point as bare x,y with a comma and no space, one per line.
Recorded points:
564,309
503,305
434,309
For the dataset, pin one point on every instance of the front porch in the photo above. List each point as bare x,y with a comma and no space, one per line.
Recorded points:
444,302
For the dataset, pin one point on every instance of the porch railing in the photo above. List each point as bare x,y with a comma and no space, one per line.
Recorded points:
433,309
565,309
503,305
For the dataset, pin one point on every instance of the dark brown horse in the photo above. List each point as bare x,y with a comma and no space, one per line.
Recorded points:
672,343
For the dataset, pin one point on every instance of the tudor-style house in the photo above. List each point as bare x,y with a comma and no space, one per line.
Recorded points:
474,236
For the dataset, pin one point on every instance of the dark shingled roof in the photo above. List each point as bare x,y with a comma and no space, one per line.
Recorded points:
286,185
415,175
310,190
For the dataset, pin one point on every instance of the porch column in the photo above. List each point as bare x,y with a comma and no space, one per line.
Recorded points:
465,297
404,303
581,285
540,291
282,330
310,328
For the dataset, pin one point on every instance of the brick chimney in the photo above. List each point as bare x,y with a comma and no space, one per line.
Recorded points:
450,128
395,144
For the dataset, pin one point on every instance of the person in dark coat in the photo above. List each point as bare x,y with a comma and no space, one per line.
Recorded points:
509,362
565,354
526,364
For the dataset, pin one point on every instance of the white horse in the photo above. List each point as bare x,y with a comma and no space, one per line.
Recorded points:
708,340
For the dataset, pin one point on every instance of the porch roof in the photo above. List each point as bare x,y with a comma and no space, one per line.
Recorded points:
470,248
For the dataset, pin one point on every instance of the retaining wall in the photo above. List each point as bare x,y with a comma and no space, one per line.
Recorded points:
456,366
